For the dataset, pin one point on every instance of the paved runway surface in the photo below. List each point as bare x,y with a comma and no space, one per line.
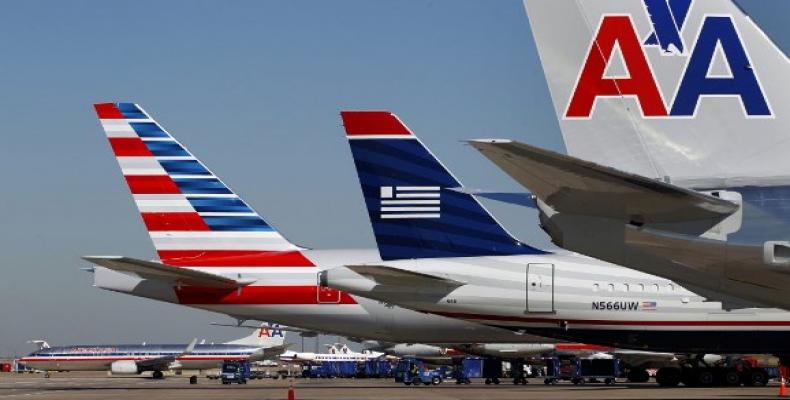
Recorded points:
97,386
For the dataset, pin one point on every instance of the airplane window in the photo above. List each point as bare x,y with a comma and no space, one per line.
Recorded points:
671,287
596,287
610,287
655,287
626,287
641,287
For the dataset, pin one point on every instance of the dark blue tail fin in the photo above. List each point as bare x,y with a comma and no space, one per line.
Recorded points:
413,208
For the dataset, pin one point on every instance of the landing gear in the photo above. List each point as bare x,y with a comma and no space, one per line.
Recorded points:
668,377
158,375
522,380
731,377
758,378
46,374
193,380
638,375
705,377
495,381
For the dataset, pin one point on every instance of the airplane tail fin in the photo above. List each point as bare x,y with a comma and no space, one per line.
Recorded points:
692,92
266,336
40,343
193,218
410,199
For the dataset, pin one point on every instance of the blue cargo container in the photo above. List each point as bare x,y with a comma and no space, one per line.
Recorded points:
473,367
314,371
346,369
375,369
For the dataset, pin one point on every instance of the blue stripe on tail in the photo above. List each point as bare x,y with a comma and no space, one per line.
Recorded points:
414,211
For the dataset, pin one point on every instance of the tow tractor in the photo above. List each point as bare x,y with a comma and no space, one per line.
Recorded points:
411,371
235,372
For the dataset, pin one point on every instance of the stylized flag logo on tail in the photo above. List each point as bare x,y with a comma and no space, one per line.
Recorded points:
409,202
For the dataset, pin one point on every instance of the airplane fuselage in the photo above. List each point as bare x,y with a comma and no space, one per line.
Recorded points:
291,296
576,298
101,357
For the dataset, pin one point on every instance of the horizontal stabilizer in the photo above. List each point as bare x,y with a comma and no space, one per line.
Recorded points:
524,199
156,270
390,276
575,186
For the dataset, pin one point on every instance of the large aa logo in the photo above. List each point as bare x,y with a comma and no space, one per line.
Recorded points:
717,35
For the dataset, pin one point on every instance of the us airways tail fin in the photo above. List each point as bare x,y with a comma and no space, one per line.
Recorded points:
192,217
686,91
266,336
410,199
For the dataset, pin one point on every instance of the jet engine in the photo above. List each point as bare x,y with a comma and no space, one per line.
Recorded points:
124,367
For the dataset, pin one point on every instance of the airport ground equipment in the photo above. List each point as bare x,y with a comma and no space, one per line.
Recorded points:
492,370
235,372
517,371
375,369
412,371
593,370
580,370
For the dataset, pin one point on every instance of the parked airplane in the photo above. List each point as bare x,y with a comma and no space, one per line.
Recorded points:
217,254
445,254
335,352
677,136
134,359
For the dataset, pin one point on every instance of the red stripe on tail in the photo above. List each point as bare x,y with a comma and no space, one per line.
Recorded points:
233,258
151,184
129,147
108,111
373,123
174,221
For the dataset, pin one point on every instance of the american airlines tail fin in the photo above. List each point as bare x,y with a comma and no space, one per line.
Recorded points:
266,336
687,91
410,199
192,217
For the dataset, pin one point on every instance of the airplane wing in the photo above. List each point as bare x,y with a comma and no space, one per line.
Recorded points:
270,353
284,328
161,363
575,186
156,270
386,276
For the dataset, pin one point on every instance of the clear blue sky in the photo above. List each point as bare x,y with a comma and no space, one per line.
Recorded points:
254,90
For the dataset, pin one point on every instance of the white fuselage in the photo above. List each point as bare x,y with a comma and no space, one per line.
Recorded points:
101,357
577,298
291,296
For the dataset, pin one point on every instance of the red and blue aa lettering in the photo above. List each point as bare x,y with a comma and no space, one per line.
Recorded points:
274,332
616,30
696,82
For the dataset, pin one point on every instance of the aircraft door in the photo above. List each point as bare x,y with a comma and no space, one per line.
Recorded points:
540,288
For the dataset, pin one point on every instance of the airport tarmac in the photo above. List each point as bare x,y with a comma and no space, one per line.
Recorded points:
98,386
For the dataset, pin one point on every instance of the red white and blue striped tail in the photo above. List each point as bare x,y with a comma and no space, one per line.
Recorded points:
193,218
